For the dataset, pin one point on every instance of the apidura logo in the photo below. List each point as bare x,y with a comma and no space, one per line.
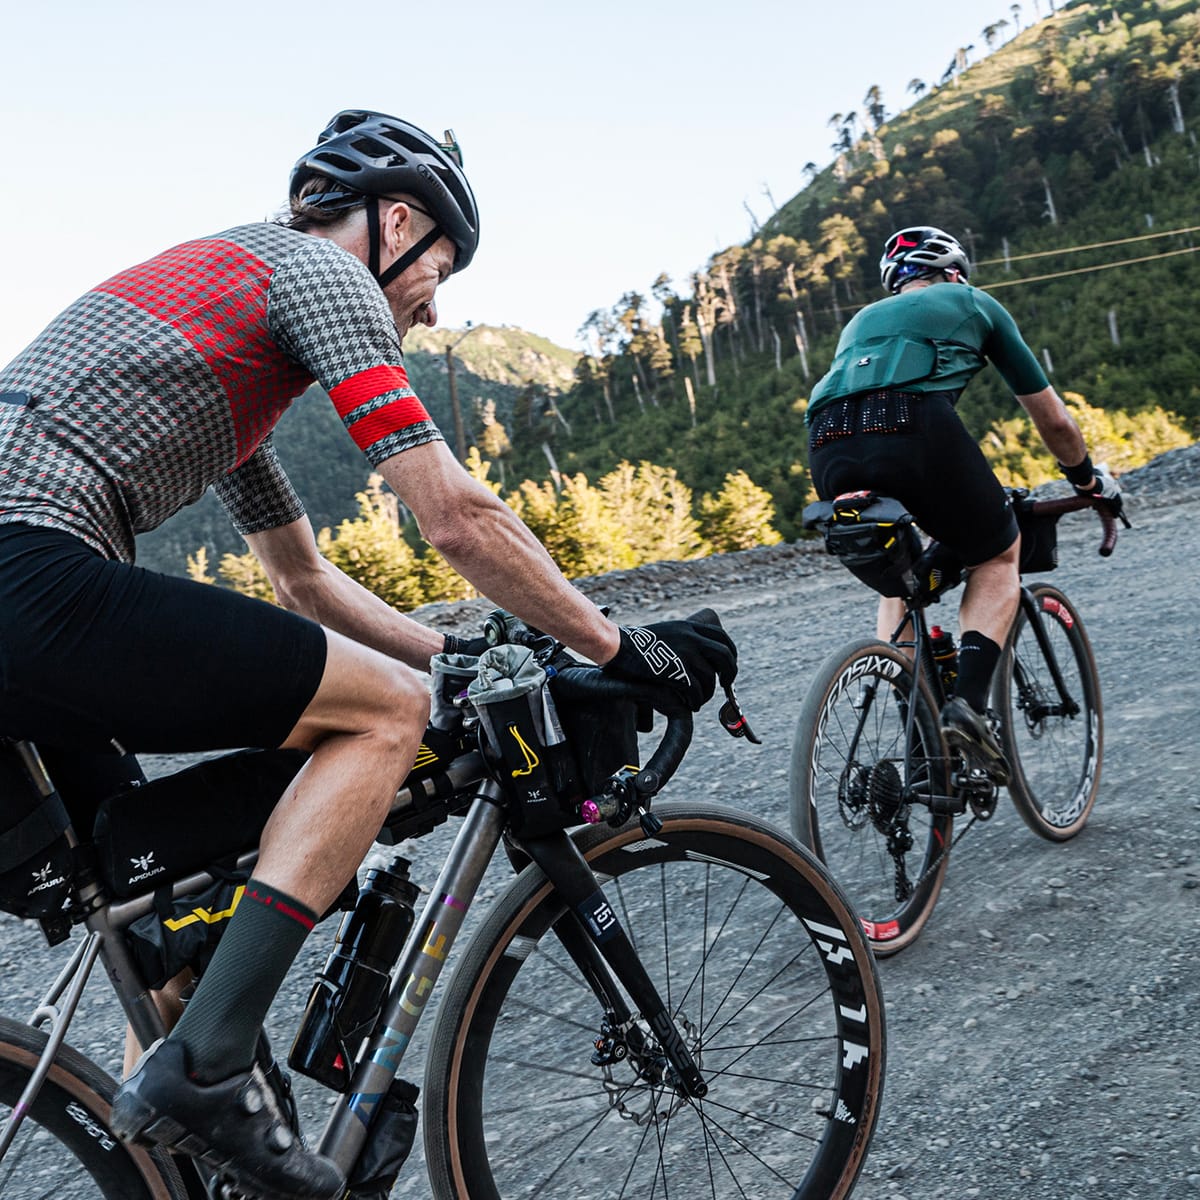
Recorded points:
146,866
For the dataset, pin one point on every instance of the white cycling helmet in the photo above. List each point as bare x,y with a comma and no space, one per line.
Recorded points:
921,252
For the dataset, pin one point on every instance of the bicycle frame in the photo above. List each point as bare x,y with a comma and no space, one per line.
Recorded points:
924,667
593,938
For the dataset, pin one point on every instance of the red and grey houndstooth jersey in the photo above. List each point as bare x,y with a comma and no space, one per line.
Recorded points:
170,376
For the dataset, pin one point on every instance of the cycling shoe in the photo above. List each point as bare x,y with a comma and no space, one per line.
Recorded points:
234,1126
969,732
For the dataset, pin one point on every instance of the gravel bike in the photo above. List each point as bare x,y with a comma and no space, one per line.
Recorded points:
667,1001
874,788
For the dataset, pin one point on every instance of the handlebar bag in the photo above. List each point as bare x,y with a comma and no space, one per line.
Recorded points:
36,862
1039,536
602,735
523,739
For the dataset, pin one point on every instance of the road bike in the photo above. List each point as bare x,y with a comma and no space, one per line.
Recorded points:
874,787
674,1000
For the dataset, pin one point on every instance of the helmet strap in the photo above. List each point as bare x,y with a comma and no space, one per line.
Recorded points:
405,260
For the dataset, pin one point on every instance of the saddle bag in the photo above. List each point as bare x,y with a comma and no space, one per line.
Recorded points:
36,861
873,536
169,828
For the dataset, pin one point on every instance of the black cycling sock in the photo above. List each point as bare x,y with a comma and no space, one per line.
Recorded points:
977,659
219,1026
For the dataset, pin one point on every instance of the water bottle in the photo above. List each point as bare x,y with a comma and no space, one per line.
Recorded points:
945,655
349,992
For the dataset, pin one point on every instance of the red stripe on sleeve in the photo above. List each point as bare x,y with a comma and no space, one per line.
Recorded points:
399,414
366,385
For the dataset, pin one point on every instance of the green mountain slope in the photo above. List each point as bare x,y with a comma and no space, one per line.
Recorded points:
1066,159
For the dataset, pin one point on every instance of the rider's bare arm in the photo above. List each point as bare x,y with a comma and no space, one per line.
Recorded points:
1055,425
309,584
483,539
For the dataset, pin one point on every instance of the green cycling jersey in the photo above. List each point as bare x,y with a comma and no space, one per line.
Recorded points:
928,339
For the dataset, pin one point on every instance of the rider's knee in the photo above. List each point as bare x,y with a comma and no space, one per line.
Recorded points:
401,705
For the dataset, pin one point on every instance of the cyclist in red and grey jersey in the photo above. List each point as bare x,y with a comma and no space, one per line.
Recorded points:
168,379
882,418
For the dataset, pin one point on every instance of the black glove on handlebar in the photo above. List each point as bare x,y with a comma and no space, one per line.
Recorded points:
472,646
1104,488
687,656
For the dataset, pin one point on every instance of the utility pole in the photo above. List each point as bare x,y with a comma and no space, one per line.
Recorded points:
460,440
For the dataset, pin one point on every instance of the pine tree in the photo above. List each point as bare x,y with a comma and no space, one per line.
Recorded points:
245,574
739,516
372,549
653,507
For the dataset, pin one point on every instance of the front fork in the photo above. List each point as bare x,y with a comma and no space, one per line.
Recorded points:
1067,705
592,935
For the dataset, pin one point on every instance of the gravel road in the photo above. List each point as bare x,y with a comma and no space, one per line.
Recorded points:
1042,1032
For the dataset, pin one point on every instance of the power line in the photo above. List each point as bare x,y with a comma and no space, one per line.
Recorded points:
987,287
987,262
1125,262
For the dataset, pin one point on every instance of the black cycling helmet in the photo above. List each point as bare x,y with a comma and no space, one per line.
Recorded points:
371,155
921,252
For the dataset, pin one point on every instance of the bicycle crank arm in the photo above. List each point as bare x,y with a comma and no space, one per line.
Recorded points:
567,870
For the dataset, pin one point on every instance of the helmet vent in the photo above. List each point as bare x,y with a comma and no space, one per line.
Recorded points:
337,161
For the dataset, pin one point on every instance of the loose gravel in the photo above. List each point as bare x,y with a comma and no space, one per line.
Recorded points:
1042,1032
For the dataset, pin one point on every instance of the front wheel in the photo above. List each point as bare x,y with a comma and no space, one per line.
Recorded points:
65,1148
1051,728
765,972
861,802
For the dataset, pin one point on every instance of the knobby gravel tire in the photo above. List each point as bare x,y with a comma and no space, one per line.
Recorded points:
765,970
1055,760
847,784
65,1150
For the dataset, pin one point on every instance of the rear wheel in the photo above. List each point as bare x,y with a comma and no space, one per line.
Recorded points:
764,970
1053,737
857,802
64,1148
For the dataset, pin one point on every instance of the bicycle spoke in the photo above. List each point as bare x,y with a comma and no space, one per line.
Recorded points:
753,1000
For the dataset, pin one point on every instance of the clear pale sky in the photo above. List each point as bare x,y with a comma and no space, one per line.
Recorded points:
605,142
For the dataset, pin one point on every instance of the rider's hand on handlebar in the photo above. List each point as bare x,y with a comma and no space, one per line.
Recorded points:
687,656
1105,488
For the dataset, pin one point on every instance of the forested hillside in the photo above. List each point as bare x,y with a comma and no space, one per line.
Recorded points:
1063,153
496,373
1066,159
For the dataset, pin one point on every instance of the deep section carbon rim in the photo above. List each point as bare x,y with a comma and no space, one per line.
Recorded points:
855,798
64,1150
770,984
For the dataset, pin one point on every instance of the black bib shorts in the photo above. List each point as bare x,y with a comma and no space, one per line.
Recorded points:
95,651
917,450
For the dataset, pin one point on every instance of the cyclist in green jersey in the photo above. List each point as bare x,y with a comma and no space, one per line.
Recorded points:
882,418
